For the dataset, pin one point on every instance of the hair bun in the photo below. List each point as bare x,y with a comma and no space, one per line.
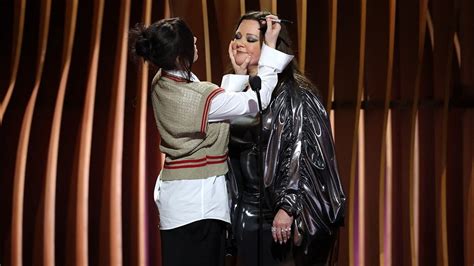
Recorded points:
143,45
140,43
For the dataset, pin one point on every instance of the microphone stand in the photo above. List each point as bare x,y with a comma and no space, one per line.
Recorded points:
255,84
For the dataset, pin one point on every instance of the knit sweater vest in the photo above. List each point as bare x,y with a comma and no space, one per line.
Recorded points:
194,148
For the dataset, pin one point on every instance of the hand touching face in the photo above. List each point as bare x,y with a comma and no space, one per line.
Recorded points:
247,43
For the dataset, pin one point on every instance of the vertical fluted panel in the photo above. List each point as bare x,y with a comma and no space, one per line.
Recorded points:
406,93
454,181
332,32
112,205
52,159
443,22
138,250
207,45
17,41
468,186
81,171
349,69
221,25
466,36
289,10
302,15
78,136
387,192
268,5
154,159
22,149
321,47
378,87
426,215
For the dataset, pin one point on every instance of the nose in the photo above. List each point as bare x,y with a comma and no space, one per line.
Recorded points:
195,39
239,43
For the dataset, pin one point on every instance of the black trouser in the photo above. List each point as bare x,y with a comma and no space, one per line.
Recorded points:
198,243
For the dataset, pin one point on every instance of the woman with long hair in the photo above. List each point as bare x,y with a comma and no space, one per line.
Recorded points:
304,199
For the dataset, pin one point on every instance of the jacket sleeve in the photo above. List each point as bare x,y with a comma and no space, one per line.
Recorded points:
307,183
287,175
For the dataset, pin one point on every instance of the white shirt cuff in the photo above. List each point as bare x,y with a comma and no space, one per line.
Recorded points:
274,58
235,83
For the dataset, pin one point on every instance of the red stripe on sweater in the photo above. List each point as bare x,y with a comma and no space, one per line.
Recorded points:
208,157
206,108
195,165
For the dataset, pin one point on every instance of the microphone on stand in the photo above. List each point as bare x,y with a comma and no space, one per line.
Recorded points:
256,84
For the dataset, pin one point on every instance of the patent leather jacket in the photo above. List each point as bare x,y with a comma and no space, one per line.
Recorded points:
300,171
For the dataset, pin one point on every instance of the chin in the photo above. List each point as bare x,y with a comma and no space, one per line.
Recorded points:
240,59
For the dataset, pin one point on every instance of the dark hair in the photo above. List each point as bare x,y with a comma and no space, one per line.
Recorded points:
291,74
167,44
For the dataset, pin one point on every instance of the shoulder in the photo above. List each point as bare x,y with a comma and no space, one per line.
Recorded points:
204,89
294,96
202,86
310,101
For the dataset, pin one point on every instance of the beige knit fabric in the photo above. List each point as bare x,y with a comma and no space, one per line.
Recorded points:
194,148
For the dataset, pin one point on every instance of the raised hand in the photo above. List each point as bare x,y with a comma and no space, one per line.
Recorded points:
273,29
238,69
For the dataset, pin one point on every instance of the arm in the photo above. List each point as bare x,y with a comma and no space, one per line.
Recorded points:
231,104
239,80
287,175
307,185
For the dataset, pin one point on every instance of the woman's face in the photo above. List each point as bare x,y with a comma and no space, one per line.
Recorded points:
247,43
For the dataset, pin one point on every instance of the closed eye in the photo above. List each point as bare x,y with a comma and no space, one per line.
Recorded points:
252,38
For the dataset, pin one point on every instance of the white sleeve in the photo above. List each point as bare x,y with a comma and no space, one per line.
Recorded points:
230,104
270,64
234,82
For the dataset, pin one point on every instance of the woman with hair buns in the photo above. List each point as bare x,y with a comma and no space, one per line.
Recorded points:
304,200
191,117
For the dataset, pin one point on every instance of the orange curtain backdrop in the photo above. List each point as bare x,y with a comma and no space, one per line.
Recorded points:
80,149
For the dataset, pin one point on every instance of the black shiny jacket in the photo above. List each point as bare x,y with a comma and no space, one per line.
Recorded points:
299,162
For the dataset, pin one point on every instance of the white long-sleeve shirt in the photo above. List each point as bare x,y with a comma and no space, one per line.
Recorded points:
181,202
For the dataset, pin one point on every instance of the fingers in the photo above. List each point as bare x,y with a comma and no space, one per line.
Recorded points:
238,69
273,29
281,229
274,234
241,69
246,62
281,234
